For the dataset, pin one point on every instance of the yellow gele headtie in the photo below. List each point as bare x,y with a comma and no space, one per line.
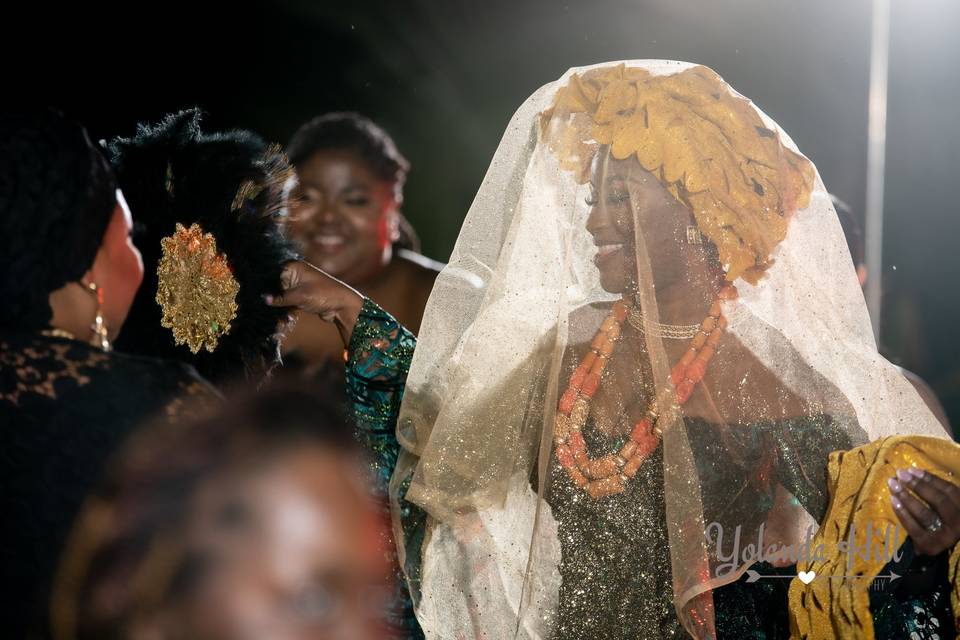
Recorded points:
705,143
197,290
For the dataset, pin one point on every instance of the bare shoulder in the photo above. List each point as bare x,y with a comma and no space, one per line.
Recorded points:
584,322
417,266
418,272
748,390
407,284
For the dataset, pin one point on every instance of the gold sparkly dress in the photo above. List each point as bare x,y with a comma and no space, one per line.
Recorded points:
616,579
615,568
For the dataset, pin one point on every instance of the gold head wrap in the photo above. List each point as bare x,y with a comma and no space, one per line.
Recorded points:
196,289
705,143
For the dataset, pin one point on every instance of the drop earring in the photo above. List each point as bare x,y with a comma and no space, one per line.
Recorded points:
101,337
394,227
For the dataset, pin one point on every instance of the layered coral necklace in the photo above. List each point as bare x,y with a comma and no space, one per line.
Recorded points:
609,474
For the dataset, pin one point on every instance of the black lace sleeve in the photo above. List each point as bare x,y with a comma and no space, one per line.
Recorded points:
64,408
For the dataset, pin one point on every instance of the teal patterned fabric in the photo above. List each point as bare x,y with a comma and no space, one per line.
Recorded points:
915,607
378,359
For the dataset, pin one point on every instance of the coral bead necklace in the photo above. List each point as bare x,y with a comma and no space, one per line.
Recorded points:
609,474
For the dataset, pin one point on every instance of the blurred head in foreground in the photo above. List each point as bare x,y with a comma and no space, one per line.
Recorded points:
255,522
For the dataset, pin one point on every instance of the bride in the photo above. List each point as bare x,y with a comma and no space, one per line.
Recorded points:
650,339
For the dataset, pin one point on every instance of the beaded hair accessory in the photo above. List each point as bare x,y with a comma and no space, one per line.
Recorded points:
196,288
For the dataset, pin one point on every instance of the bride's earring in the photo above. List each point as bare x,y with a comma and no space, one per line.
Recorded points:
693,235
101,337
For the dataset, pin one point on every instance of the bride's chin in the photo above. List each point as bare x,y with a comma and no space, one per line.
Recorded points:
617,273
615,282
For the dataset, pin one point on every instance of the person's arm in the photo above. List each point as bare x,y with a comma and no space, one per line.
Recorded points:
378,353
378,358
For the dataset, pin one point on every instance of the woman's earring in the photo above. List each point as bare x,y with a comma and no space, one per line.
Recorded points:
101,336
394,227
693,235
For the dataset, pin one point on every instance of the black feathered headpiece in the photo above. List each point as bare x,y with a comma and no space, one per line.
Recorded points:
230,185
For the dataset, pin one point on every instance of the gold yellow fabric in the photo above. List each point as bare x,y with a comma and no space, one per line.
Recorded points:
836,603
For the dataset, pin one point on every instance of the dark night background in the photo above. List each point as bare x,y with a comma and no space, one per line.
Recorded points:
444,76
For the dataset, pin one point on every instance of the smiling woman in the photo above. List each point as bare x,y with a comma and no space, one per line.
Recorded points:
650,356
344,210
674,241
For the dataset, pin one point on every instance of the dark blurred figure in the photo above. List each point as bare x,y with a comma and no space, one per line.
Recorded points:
68,275
344,211
856,243
254,522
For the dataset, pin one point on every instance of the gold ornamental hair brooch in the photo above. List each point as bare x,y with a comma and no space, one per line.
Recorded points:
196,290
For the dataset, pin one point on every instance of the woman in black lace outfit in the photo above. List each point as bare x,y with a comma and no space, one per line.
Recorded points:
68,274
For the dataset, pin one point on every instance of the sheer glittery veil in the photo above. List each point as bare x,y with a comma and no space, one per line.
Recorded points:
695,172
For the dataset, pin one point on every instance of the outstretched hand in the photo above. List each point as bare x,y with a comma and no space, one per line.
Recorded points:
311,290
934,526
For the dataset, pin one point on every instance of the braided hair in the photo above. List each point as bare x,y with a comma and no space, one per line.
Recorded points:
57,194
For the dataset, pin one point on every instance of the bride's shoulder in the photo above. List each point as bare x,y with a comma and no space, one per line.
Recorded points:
584,321
747,388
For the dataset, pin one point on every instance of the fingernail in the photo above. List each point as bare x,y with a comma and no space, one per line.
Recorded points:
894,485
917,472
896,503
268,298
904,475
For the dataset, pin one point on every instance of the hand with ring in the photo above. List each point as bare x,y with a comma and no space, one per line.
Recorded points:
928,508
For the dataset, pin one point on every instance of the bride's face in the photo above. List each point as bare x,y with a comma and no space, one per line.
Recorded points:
624,196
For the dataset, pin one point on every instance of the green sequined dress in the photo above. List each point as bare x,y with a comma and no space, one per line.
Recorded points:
379,357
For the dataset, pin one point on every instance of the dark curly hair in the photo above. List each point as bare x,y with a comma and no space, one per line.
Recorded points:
57,194
172,172
357,133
